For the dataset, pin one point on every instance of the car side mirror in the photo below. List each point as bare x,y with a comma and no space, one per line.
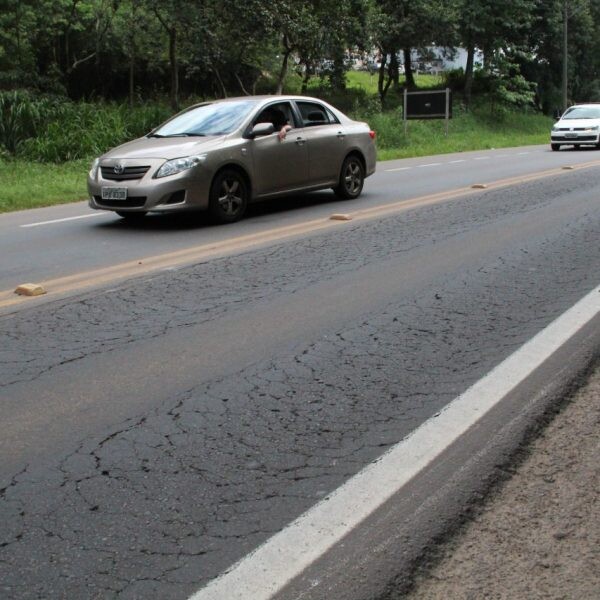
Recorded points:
261,129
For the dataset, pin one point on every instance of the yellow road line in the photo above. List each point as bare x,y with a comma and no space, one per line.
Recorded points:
135,268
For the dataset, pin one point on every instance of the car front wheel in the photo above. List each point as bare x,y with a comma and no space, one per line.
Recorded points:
352,178
228,196
555,147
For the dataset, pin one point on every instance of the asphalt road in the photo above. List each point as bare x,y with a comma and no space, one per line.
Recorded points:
39,244
157,430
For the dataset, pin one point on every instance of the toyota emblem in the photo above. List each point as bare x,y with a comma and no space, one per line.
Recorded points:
118,168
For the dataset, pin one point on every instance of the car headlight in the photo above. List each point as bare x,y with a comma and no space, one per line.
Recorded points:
94,168
171,167
555,127
595,128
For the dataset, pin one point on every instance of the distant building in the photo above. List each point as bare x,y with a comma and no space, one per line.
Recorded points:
433,59
438,59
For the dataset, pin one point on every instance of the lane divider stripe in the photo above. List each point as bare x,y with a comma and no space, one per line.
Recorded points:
95,214
265,571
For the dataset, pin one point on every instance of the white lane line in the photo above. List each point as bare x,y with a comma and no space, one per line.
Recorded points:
98,214
453,162
272,565
482,157
522,153
429,165
398,169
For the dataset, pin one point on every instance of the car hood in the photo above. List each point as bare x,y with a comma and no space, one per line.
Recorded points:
572,123
165,148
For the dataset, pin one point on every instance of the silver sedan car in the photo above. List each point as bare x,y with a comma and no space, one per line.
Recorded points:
220,156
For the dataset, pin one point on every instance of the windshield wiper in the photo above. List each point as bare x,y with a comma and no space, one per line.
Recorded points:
185,134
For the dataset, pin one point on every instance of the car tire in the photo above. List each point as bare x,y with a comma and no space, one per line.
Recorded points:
352,178
229,196
555,147
131,216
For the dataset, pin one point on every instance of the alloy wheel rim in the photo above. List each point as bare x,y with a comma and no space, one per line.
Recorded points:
231,199
353,178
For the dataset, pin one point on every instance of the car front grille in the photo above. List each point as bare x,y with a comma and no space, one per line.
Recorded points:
131,202
579,138
128,173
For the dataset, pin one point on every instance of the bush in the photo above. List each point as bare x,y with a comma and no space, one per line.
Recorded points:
82,130
54,129
22,116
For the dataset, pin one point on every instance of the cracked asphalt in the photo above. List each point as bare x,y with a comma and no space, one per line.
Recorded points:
333,347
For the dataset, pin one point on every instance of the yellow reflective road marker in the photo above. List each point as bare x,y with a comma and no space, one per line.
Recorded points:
30,289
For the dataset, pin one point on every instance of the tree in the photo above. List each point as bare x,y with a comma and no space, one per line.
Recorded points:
398,26
492,27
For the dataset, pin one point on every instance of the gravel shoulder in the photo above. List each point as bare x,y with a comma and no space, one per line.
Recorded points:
538,537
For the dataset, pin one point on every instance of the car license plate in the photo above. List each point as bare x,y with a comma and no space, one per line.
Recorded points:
570,135
114,193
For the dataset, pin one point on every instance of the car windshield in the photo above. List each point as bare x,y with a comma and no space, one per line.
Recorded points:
583,112
209,119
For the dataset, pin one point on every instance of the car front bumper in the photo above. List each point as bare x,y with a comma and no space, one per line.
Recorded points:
184,191
575,137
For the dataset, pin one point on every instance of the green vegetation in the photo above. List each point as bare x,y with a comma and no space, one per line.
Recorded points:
25,184
467,131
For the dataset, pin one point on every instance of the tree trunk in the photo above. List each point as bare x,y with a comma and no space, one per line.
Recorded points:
305,78
469,73
283,71
239,80
382,85
131,75
174,68
381,79
132,49
221,84
408,72
394,72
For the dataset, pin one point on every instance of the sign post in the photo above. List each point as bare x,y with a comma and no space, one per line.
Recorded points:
427,105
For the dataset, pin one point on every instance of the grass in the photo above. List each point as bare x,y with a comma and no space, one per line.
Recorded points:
478,130
362,80
25,184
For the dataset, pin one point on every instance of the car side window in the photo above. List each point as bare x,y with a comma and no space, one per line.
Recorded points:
315,114
279,114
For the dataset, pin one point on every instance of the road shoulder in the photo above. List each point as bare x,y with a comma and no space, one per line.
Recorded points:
538,536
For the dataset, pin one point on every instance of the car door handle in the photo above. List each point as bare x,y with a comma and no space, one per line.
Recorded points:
300,141
341,135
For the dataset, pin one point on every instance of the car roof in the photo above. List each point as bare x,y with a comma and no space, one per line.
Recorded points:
263,97
591,104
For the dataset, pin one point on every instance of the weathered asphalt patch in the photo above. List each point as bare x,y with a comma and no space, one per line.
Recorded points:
274,564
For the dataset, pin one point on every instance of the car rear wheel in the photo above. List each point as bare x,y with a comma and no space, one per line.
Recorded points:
352,178
228,196
555,147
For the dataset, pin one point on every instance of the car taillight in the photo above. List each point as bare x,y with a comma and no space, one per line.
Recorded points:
372,134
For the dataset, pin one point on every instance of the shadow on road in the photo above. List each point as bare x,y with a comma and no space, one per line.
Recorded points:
201,219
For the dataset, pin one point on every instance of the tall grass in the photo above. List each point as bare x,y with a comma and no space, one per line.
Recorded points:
27,184
473,130
50,129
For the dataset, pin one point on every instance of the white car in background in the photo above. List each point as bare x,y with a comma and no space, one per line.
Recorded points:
578,126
